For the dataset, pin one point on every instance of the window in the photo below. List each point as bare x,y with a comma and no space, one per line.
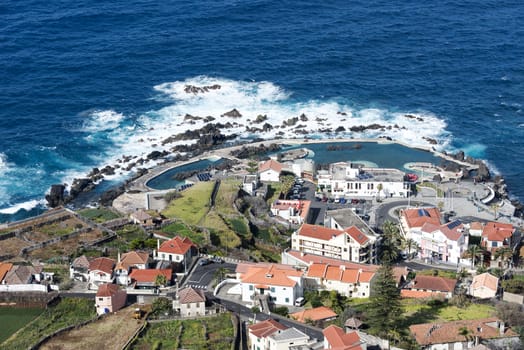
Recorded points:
287,300
272,289
250,287
100,299
197,305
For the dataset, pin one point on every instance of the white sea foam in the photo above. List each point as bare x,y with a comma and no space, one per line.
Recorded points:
22,206
475,150
103,120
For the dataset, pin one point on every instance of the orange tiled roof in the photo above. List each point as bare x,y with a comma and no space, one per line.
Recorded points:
176,245
270,164
149,275
310,259
448,332
418,294
318,232
434,283
452,230
317,270
417,217
497,231
102,264
485,280
4,269
301,205
272,275
315,314
190,295
366,276
357,235
339,273
265,328
107,290
338,340
133,258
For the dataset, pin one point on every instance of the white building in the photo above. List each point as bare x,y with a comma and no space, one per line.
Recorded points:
346,179
100,271
283,284
484,286
348,281
270,171
190,302
336,338
272,335
349,244
294,211
412,220
445,243
179,250
250,184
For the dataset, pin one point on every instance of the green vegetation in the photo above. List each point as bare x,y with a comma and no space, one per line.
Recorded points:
99,214
435,310
181,229
193,205
131,237
12,319
441,273
68,312
226,196
57,229
514,285
207,333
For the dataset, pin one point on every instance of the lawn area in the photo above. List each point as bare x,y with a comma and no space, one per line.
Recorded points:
12,319
226,195
183,230
193,205
98,214
207,333
69,311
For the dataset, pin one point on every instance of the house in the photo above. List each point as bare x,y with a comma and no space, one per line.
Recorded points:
258,333
270,171
317,314
351,282
22,274
335,338
282,284
304,260
250,184
177,249
140,217
128,261
272,335
149,278
190,302
344,219
463,334
109,298
349,244
475,228
79,269
4,269
484,286
294,211
412,219
429,286
446,243
100,271
347,179
496,235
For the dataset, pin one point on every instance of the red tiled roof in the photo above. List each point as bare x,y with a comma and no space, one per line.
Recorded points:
418,294
317,270
270,164
497,231
417,217
339,273
448,332
434,283
176,245
315,314
357,235
190,295
149,275
274,275
265,328
452,230
310,259
107,290
319,232
339,340
133,258
485,280
102,264
366,276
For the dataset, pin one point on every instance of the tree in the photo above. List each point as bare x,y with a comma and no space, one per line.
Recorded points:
384,311
412,246
160,280
465,332
391,242
287,182
380,187
474,251
505,254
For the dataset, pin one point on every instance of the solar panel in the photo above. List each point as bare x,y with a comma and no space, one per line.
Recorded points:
423,212
453,224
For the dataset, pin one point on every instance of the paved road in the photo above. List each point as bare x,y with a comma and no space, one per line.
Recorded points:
202,276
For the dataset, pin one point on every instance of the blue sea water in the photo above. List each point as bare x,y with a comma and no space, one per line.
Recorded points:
83,83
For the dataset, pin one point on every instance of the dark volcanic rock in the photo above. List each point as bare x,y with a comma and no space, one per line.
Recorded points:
430,140
303,117
290,122
106,199
232,114
252,151
260,118
191,89
340,129
55,197
80,185
360,128
156,154
108,170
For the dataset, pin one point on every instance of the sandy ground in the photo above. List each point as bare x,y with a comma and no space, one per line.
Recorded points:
110,332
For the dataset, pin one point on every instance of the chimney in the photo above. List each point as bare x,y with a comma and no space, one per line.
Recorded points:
342,267
157,244
502,327
118,256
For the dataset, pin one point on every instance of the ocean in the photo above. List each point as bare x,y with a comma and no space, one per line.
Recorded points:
84,83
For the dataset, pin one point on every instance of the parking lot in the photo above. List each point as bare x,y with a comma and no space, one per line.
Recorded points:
320,202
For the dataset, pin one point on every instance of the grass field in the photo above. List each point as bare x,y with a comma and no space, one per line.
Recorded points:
12,319
213,333
69,311
193,205
98,214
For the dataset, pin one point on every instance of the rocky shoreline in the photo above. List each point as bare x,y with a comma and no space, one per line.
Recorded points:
210,137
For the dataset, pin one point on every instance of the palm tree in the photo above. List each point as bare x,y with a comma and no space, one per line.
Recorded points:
286,184
391,242
474,251
411,245
505,254
465,332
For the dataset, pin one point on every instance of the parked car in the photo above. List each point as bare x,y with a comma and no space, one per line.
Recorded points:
204,262
342,200
218,260
354,201
300,301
